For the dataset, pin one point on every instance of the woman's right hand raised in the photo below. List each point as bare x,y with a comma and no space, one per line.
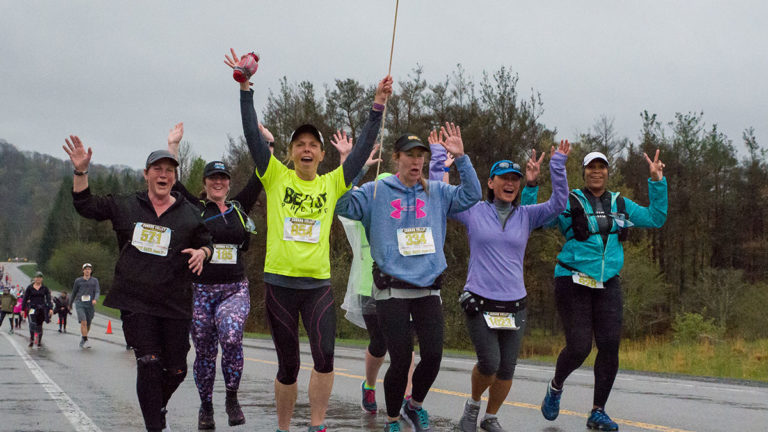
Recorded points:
80,158
383,91
232,62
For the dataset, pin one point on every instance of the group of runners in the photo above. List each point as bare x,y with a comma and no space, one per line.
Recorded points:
180,268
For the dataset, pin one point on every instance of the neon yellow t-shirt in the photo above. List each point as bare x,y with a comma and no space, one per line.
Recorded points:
299,217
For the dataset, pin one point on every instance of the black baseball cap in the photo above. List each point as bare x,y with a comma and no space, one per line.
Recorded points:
159,155
409,141
215,167
308,128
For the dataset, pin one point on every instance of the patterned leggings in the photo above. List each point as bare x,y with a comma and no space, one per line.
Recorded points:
218,317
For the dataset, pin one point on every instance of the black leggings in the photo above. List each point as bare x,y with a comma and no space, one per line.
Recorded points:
394,317
161,346
318,314
63,319
377,346
586,311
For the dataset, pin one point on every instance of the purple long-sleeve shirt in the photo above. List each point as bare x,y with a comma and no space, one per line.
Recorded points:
496,251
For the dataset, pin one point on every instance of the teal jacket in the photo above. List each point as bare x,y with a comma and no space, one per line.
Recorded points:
593,257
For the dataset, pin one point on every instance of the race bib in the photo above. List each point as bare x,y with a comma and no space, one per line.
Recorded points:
302,230
85,298
151,239
415,241
31,311
500,320
583,279
224,254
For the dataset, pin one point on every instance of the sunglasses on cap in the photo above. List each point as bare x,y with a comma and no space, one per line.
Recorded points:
505,166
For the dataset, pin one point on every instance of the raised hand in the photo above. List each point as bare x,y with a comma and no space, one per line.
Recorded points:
232,61
80,158
453,143
342,143
435,137
533,167
372,159
564,148
383,91
174,138
266,133
449,159
656,166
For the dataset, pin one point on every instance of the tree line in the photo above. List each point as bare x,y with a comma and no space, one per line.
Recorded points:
710,258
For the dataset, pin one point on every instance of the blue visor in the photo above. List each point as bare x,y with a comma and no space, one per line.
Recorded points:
505,166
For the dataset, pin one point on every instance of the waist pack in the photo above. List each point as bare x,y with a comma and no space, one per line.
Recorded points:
473,303
384,281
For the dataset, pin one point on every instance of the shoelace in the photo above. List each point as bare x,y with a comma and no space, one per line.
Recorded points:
601,417
423,418
370,396
494,422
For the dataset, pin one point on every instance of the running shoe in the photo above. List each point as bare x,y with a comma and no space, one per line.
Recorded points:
320,428
205,419
550,406
468,422
235,414
85,344
82,342
369,399
599,420
417,418
31,342
392,427
491,425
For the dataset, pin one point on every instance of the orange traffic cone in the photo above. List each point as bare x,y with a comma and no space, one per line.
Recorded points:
109,327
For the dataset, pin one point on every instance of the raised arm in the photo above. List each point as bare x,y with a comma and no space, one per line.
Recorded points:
357,157
257,145
468,192
546,212
440,160
81,159
655,215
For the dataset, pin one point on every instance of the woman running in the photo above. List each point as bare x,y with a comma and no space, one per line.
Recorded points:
39,307
587,290
494,297
405,224
297,267
221,297
62,310
162,242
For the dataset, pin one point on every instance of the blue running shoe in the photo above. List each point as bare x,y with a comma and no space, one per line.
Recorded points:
550,406
392,427
369,400
417,418
599,420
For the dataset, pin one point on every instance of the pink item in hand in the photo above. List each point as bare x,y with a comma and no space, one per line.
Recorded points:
246,67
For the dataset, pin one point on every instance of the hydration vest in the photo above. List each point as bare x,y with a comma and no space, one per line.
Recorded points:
580,218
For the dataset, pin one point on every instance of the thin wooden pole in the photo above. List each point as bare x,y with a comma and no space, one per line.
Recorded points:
384,112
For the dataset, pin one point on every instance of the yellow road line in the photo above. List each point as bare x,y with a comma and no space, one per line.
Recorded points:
641,425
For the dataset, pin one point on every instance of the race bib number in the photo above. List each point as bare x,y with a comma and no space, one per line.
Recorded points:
224,254
151,239
583,279
302,230
415,241
85,298
500,320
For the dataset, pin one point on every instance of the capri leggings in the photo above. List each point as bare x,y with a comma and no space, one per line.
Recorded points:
394,316
496,350
318,314
586,311
218,317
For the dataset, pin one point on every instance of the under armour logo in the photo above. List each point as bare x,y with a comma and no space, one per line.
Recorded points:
398,209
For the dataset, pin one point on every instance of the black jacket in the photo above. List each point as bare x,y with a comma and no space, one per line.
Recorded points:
146,283
37,298
226,228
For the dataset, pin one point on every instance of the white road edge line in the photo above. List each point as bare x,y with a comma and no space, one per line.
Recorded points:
68,407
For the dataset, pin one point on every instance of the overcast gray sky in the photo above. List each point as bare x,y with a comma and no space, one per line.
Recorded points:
120,74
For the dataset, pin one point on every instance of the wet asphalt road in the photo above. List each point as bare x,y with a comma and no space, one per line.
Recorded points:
63,388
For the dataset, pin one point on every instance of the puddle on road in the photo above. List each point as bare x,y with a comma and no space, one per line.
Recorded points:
259,407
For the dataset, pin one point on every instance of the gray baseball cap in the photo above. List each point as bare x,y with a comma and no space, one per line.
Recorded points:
159,155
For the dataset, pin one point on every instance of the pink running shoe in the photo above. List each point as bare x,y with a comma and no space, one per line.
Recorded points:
246,67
